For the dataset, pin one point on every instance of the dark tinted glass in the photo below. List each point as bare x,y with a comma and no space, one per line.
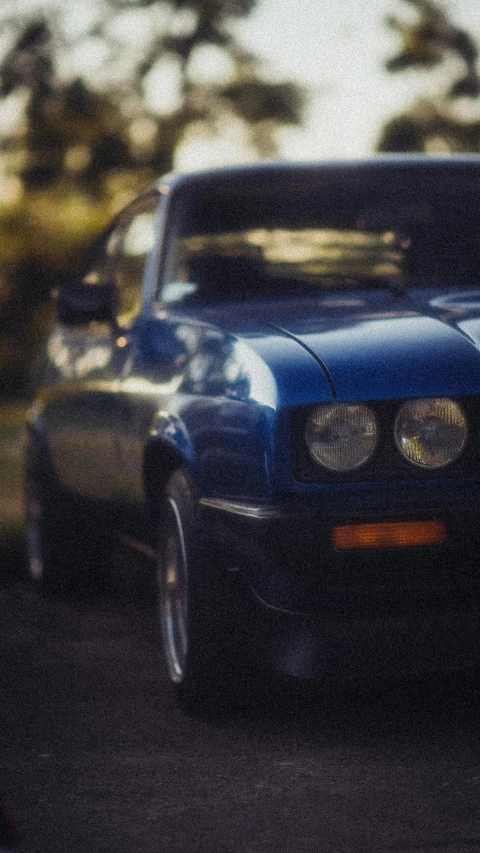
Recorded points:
330,229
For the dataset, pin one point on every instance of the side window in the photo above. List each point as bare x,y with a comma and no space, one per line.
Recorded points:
129,246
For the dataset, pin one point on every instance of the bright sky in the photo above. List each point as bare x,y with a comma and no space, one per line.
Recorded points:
337,48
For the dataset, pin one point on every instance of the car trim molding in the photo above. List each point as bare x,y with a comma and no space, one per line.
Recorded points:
261,512
139,547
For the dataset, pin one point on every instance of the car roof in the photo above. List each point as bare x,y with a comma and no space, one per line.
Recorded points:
289,170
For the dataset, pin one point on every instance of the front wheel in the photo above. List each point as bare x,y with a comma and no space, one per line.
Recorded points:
199,613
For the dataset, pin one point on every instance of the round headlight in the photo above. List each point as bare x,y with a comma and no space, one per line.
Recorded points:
341,437
431,433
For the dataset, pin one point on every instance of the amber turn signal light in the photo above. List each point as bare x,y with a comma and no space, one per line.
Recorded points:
390,534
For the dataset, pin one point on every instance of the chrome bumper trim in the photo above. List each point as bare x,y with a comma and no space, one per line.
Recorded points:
259,512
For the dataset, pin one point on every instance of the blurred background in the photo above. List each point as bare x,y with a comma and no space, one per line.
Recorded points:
100,96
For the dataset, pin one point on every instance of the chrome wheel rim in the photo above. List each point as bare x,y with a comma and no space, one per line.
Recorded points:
172,580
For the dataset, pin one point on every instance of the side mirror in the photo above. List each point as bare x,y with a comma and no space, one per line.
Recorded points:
81,303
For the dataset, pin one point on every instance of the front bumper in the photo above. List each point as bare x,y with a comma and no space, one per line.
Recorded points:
286,553
326,612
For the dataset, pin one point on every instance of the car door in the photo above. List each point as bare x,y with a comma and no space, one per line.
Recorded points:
84,411
129,418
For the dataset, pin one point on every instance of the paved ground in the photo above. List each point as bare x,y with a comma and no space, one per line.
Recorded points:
95,755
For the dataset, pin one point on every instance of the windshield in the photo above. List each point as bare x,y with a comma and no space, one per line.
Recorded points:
395,228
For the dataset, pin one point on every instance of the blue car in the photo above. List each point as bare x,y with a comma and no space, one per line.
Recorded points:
267,380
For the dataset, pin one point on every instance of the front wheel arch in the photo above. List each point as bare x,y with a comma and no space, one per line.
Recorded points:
160,460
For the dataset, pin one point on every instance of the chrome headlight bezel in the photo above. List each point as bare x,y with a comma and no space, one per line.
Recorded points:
341,437
431,433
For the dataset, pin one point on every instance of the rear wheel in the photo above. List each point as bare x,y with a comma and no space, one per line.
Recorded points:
199,613
65,550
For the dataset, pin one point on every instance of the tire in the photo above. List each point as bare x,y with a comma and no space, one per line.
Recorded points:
199,614
65,550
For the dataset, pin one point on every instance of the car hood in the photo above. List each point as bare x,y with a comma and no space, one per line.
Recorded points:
376,347
394,356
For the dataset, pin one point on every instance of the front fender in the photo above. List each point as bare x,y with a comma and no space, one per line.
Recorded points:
167,448
169,435
226,445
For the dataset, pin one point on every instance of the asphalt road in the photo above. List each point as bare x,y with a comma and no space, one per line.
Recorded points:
95,755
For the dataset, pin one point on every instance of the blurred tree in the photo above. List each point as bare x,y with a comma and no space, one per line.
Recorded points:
103,96
449,121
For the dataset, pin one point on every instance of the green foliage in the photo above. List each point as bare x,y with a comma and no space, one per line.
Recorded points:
83,146
430,40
